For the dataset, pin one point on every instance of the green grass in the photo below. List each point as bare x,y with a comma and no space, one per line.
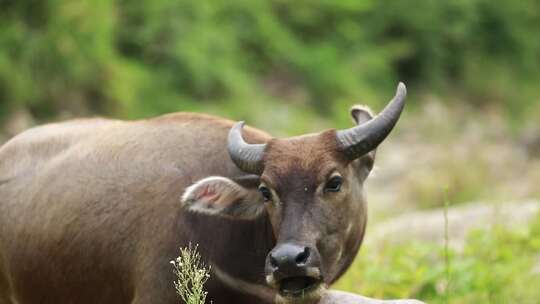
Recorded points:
446,246
495,266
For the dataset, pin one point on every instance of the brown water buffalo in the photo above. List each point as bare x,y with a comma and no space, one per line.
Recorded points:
92,211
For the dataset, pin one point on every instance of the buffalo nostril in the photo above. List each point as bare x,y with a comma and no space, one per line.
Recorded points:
273,262
303,256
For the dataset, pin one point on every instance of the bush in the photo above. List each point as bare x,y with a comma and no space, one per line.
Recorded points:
142,57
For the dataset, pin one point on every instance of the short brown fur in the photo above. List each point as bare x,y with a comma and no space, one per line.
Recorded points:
90,209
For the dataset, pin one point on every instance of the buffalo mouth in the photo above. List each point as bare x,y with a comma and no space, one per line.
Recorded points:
298,286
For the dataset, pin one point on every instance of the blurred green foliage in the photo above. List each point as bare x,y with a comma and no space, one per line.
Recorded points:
497,265
144,57
284,65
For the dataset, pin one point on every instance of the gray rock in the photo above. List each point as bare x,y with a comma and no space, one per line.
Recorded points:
428,226
340,297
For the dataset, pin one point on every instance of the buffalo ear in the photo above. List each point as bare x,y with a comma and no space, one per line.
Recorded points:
220,196
362,114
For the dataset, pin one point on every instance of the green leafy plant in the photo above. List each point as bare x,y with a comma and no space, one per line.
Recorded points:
144,57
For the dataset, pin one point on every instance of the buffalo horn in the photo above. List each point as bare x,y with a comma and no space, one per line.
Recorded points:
247,157
361,139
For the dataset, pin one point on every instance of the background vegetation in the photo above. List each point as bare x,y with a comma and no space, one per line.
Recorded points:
239,57
472,68
495,266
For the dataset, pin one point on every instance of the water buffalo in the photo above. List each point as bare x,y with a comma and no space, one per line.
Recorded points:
93,210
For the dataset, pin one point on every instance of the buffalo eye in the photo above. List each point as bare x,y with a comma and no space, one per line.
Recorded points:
333,184
266,193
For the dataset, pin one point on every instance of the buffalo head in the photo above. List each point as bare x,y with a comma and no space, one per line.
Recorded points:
311,188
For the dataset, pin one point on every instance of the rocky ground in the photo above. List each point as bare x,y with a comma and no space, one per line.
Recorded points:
488,175
338,297
429,225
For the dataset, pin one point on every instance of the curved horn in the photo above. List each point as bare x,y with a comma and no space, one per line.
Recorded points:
363,138
247,157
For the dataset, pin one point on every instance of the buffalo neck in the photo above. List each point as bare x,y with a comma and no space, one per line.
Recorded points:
237,247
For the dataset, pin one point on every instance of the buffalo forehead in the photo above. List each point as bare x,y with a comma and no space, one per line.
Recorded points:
306,160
